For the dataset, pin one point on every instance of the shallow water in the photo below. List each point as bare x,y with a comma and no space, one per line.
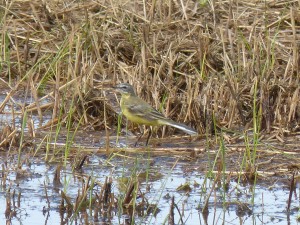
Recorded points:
12,111
165,175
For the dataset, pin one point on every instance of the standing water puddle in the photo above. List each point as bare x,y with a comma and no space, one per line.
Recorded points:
159,179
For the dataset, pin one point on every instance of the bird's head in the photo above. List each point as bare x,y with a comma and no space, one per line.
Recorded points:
125,89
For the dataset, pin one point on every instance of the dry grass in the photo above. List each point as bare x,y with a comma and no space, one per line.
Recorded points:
199,60
234,62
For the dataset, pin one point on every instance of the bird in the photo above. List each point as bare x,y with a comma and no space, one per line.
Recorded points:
139,111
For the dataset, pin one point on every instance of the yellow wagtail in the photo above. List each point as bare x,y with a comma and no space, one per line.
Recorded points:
140,112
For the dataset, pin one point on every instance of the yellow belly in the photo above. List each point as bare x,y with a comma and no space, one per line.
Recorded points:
139,119
138,111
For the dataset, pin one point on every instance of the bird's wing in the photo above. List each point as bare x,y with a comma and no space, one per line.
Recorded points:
143,109
157,115
139,110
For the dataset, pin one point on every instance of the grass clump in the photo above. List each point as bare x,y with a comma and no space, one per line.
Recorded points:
195,59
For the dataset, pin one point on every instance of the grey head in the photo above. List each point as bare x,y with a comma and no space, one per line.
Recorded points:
125,88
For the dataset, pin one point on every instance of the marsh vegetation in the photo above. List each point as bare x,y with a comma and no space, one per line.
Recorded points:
229,69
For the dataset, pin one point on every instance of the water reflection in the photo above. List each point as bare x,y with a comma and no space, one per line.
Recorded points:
157,181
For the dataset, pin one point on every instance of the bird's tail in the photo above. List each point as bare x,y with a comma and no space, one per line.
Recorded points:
182,127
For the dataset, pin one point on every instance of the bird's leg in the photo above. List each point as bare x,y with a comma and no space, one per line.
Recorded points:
148,138
138,139
149,135
141,135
